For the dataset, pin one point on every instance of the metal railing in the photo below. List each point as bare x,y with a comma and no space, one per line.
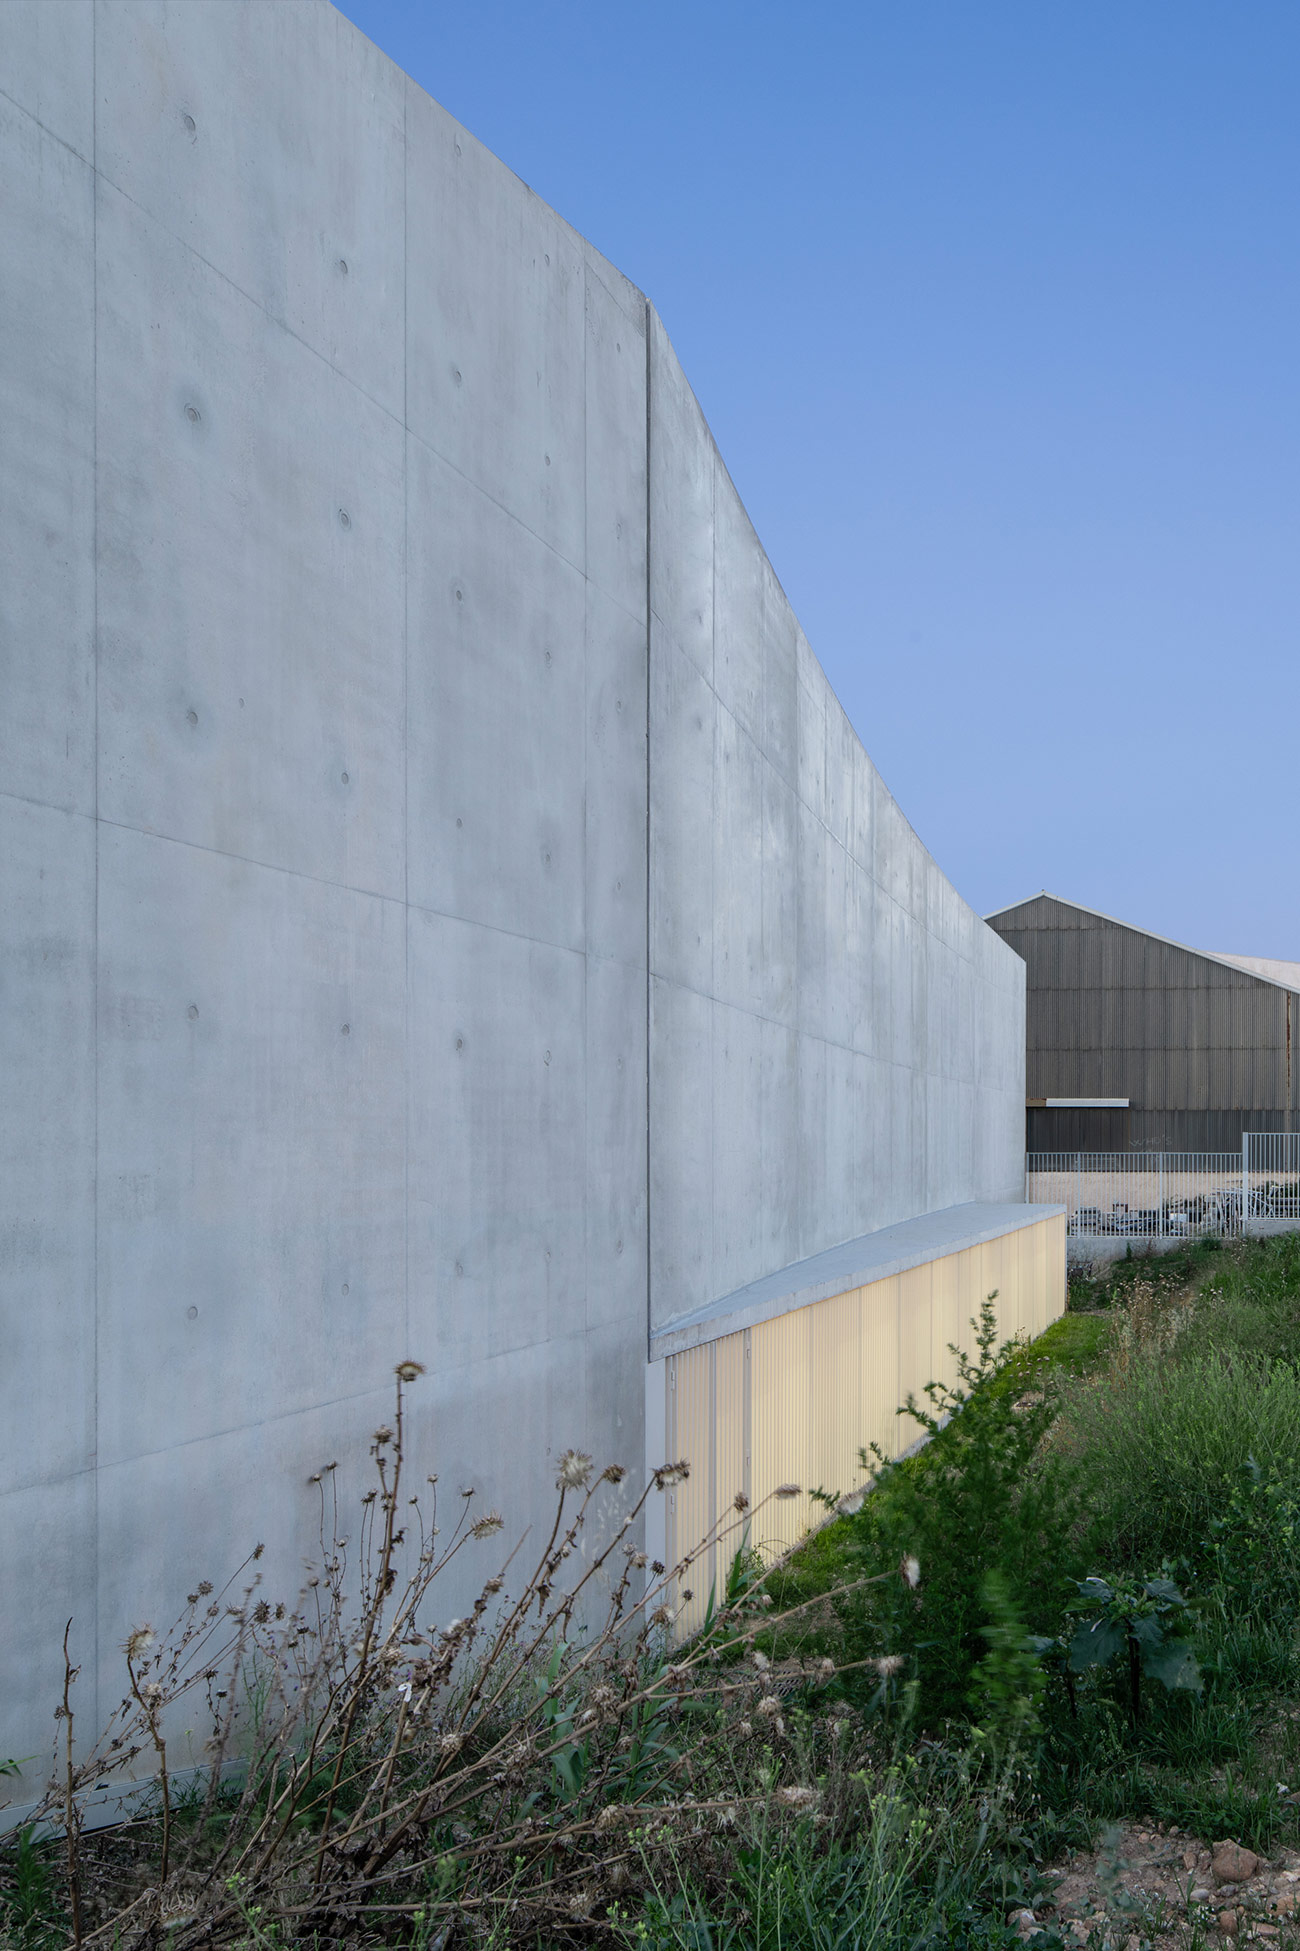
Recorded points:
1270,1174
1140,1195
1171,1195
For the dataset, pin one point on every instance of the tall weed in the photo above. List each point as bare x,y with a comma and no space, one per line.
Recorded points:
981,1498
1162,1443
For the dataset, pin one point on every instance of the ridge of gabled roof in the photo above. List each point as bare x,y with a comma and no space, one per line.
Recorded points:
1238,966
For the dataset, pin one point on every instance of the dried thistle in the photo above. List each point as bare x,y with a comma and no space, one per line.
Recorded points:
574,1470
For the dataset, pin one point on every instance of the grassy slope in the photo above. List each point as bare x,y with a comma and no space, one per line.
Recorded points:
1142,1351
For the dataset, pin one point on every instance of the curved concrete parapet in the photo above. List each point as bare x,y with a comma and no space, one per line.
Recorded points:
446,912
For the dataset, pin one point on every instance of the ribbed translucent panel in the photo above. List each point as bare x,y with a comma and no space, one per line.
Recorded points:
691,1504
835,1398
731,1479
781,1421
878,1366
794,1400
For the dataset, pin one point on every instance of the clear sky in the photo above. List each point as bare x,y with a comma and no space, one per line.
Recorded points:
994,309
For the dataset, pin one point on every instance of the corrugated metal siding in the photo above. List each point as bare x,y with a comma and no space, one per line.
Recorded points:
1198,1048
794,1400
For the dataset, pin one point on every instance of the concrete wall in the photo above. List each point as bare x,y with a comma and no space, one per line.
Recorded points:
331,656
836,1038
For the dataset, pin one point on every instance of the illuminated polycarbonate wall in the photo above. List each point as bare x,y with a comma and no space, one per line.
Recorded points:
794,1399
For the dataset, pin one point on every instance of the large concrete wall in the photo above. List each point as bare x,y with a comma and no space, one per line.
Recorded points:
338,1021
836,1038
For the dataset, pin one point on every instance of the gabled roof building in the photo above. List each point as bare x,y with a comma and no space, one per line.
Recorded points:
1138,1043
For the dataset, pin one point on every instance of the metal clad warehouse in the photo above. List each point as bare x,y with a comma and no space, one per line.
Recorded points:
446,913
1199,1045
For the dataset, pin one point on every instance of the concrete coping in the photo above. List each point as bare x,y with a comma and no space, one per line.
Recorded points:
841,1269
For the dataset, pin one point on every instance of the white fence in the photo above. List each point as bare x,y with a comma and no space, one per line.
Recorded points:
1171,1195
1140,1195
1270,1174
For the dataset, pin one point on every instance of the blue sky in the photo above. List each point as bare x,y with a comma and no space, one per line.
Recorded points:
994,310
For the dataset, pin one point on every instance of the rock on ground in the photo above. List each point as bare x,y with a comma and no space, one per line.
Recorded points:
1156,1886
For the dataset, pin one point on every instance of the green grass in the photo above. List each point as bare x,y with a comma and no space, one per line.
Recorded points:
1163,1444
1076,1344
1158,1418
1161,1384
1181,1374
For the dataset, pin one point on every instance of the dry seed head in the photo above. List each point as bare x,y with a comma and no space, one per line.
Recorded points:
138,1642
848,1506
409,1371
761,1661
796,1798
384,1435
889,1664
451,1744
769,1707
610,1817
787,1491
575,1470
669,1474
910,1571
614,1473
487,1525
740,1502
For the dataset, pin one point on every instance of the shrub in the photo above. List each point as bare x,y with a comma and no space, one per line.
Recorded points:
981,1498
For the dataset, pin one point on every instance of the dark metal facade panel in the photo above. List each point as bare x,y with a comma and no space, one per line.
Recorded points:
1195,1045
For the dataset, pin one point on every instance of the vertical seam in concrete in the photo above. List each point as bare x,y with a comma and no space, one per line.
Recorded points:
587,1041
94,990
649,876
714,812
406,736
